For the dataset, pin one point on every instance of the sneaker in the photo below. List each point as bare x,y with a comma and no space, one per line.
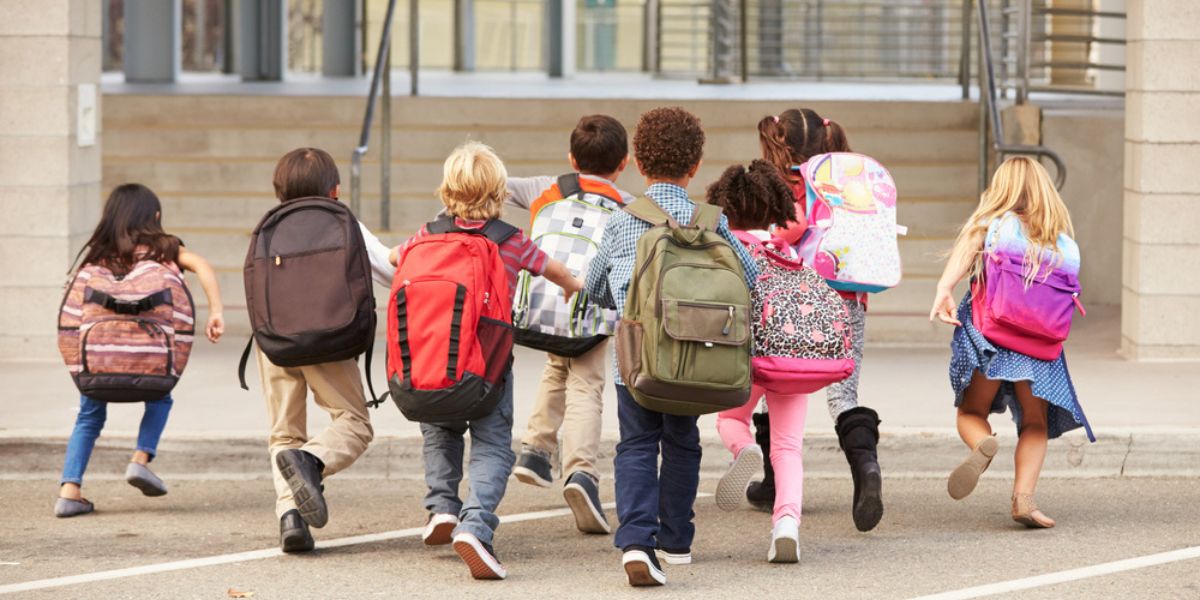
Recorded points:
731,489
302,471
293,533
69,507
785,541
480,557
675,556
141,477
533,467
641,567
439,529
583,497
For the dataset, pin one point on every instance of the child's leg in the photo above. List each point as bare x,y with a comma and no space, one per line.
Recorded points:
337,387
973,426
636,472
584,406
491,463
733,425
843,395
787,414
542,431
88,424
154,420
678,481
1031,443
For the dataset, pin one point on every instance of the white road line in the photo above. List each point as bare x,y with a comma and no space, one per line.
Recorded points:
1108,568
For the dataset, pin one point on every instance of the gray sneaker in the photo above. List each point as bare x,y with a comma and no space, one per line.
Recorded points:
66,507
583,497
533,467
141,477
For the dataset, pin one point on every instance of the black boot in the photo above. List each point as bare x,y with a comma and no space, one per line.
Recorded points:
293,533
858,434
761,494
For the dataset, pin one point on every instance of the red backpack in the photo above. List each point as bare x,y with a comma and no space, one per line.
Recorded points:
449,336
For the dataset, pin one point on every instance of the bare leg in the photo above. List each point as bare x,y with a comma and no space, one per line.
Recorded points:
1030,455
140,457
973,412
70,490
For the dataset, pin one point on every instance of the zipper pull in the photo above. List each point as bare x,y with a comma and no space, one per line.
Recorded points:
278,260
486,296
728,323
1078,304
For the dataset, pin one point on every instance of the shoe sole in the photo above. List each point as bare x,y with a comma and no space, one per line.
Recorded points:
309,501
1031,523
147,487
965,476
641,574
480,569
526,475
440,535
784,550
731,489
588,518
296,542
674,559
869,510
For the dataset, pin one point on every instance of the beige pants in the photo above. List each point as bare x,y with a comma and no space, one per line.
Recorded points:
570,397
337,388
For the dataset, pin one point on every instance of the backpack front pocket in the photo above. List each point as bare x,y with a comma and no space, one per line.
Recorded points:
708,340
299,298
120,346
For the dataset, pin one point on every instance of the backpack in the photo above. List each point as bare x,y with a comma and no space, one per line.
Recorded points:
802,340
308,286
1034,321
127,338
850,202
683,343
567,221
449,333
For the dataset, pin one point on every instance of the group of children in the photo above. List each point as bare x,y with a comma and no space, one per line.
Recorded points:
657,463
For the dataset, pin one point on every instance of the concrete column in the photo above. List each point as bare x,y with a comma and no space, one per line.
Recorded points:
49,161
341,39
1160,316
261,46
560,38
152,48
464,35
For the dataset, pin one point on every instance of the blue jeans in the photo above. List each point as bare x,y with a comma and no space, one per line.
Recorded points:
490,465
92,414
655,507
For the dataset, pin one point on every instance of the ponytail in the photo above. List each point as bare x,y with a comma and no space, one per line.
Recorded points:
772,137
835,137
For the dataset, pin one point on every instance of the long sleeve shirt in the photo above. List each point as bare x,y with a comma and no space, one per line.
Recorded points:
382,270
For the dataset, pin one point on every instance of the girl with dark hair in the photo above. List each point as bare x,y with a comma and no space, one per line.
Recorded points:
130,231
788,140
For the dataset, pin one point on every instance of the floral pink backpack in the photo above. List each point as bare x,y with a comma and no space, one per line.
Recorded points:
802,341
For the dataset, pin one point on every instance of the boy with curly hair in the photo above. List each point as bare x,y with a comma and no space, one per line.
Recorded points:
654,505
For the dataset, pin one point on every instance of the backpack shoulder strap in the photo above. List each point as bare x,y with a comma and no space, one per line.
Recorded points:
706,216
568,185
498,231
645,209
444,223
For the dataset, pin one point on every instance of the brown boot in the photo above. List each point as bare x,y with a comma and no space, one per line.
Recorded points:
1025,512
964,478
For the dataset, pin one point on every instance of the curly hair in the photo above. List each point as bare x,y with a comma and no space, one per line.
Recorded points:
753,198
668,142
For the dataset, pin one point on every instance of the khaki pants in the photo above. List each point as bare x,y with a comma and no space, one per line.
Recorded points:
570,397
337,388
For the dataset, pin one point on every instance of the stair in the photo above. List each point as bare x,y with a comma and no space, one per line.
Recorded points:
211,158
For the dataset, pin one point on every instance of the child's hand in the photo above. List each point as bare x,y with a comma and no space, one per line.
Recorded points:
215,327
575,286
943,307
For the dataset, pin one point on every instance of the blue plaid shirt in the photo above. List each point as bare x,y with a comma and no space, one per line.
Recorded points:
611,269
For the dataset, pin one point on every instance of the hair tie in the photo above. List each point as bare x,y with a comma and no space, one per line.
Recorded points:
825,122
776,118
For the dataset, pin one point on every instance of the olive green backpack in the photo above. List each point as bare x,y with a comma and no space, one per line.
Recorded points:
683,343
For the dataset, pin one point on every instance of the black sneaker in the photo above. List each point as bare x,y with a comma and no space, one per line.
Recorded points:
533,467
641,567
303,474
480,557
583,497
293,533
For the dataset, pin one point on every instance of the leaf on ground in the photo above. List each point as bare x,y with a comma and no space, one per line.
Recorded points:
236,593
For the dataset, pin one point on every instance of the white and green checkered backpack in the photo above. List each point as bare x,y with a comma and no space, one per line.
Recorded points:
567,223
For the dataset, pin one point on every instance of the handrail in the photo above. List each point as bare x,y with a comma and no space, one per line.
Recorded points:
987,79
382,68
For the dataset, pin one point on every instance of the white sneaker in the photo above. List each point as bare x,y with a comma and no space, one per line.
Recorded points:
785,541
439,529
480,557
674,557
731,490
641,568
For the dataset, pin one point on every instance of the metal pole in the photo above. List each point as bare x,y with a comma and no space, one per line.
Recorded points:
385,149
744,38
414,46
984,168
1024,25
385,40
964,59
650,36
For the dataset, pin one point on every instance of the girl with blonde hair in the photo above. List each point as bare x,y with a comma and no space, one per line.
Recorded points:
1020,215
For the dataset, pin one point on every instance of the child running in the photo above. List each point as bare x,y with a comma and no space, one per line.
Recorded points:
1020,214
130,231
756,200
473,191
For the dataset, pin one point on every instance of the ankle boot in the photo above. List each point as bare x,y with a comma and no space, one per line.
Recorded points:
858,434
761,494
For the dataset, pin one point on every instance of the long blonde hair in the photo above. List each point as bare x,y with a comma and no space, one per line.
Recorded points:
474,182
1022,186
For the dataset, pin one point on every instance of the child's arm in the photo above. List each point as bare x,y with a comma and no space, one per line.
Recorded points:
382,267
394,256
957,267
522,191
596,285
195,263
560,275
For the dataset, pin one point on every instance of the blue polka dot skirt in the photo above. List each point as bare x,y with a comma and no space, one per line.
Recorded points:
1050,379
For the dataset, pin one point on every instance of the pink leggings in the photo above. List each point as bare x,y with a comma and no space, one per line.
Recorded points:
787,443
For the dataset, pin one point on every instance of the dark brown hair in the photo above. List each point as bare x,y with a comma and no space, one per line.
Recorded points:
754,198
131,221
668,143
797,135
599,144
305,172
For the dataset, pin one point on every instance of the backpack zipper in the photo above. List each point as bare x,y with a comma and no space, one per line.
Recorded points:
728,322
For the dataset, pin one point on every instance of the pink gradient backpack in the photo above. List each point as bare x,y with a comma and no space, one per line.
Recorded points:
1033,320
802,340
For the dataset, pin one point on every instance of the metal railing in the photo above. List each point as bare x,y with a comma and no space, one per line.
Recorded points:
381,77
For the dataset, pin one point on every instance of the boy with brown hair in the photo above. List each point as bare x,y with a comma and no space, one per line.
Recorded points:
570,397
654,505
